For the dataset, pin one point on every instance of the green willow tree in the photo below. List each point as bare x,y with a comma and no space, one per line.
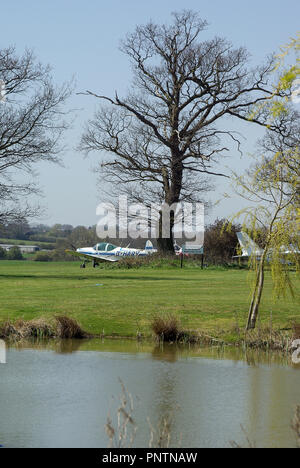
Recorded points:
273,187
276,211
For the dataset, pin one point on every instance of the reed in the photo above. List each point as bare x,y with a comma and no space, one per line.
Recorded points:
122,433
268,339
122,428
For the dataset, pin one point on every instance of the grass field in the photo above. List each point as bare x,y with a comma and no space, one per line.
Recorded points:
24,242
122,302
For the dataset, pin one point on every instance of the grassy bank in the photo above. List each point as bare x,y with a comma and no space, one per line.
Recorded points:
123,302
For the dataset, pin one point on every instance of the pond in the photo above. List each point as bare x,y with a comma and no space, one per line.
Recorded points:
59,394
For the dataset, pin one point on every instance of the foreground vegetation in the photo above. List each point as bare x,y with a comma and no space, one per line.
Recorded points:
123,302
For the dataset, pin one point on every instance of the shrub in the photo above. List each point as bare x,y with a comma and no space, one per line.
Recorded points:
155,260
220,242
59,255
15,253
43,257
2,253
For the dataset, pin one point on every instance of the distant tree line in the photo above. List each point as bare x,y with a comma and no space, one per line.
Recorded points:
220,241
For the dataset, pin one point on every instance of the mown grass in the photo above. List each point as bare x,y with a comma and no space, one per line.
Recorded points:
41,244
124,302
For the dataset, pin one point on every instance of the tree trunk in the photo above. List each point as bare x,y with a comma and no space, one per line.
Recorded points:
257,293
172,188
165,245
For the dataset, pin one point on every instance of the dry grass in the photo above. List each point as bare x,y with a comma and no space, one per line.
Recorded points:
161,435
268,339
38,328
122,434
63,327
167,328
19,330
296,331
66,327
9,330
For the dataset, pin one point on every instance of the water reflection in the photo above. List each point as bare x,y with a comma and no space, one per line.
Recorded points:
161,352
57,393
168,353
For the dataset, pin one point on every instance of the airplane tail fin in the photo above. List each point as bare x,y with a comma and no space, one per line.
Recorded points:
249,247
149,245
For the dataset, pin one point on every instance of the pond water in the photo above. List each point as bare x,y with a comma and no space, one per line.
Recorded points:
59,394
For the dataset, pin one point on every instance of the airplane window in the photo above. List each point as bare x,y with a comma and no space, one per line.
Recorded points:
110,247
101,246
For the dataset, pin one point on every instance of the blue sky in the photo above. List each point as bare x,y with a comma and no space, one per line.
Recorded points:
81,39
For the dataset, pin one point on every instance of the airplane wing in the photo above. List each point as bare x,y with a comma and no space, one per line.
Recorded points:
99,258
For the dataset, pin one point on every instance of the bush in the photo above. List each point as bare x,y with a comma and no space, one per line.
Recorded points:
220,242
43,257
14,254
155,260
59,255
2,253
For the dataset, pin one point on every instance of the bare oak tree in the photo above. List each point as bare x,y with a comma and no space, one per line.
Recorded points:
171,126
31,124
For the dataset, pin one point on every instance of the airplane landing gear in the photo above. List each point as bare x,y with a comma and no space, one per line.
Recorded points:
94,264
82,265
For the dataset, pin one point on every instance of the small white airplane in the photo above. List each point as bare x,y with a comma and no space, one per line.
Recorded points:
187,250
250,248
106,252
178,250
